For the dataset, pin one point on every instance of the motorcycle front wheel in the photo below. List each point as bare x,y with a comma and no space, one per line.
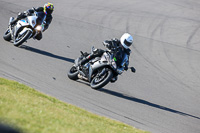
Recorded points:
21,39
73,73
7,35
100,81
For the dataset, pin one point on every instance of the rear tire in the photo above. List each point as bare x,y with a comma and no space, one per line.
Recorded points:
73,73
104,82
7,35
23,39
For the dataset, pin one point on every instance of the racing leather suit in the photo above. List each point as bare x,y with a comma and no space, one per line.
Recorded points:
120,53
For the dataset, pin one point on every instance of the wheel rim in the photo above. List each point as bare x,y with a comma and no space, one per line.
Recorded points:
20,37
98,79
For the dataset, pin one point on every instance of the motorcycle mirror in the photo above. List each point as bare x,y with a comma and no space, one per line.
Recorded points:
82,53
133,69
34,8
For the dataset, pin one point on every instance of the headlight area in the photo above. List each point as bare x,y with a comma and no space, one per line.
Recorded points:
113,63
38,28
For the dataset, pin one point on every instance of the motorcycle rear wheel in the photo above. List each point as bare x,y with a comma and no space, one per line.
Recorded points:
7,35
73,73
104,80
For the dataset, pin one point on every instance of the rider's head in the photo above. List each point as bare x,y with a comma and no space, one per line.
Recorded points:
48,8
126,40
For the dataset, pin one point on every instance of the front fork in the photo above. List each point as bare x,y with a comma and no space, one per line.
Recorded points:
36,33
10,27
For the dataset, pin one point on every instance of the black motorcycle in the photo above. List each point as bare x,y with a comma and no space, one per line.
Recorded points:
98,71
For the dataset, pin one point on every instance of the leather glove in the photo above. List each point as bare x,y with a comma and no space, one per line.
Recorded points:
125,67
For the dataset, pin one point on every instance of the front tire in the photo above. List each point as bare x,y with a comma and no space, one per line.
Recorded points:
7,35
23,38
73,73
99,82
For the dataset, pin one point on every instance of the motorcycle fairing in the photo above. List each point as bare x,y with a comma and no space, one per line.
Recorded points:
20,27
104,61
32,20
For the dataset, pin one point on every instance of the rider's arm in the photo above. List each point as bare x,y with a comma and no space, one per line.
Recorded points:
30,11
39,9
128,52
111,45
23,14
48,21
126,65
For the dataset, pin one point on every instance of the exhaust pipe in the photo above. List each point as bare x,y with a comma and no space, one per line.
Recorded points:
82,77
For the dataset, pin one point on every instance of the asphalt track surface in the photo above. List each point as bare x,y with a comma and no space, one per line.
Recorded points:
163,96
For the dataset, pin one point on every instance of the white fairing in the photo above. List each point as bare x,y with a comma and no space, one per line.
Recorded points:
22,23
24,30
32,20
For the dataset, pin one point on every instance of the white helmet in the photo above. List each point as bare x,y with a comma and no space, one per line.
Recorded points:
126,40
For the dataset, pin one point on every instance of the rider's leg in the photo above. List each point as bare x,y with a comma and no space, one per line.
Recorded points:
113,79
39,36
96,53
86,59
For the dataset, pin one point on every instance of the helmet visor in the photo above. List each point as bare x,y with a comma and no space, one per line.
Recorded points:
49,11
127,43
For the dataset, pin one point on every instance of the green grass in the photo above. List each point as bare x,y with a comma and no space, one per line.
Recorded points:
34,112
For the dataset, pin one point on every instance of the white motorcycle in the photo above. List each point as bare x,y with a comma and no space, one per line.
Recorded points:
25,29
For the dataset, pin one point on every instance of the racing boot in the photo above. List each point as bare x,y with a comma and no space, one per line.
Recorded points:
113,79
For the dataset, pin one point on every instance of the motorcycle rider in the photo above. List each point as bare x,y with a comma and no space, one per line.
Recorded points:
120,49
47,9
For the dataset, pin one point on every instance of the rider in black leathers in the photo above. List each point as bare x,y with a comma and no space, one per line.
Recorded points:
47,9
120,49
